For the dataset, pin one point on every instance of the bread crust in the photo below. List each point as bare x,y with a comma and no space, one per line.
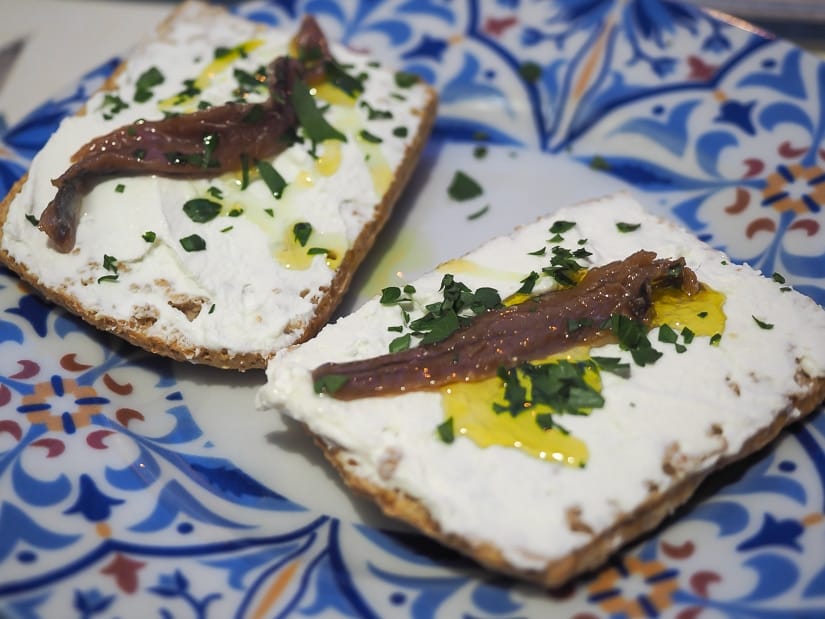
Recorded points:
658,506
134,330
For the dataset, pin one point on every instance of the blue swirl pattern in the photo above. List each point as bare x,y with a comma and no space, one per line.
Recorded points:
722,128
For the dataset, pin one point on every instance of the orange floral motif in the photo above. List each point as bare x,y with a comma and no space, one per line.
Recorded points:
795,188
635,588
78,403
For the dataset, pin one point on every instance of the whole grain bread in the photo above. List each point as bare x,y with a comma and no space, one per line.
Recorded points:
152,310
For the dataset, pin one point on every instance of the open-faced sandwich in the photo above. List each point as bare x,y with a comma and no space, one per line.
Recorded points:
213,201
552,395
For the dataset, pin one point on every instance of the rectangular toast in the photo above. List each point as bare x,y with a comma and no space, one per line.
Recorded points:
549,463
225,267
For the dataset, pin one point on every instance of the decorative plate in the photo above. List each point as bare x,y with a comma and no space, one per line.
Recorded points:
132,486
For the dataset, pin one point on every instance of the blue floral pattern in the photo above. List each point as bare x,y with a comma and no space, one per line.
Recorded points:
107,510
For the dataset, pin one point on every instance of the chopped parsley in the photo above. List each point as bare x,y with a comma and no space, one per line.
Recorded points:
482,211
374,113
463,187
446,431
632,337
120,188
778,278
369,137
762,324
312,121
329,383
112,105
457,308
272,178
715,339
402,342
110,264
146,82
301,232
215,192
530,71
561,226
201,210
193,242
404,79
528,283
149,236
622,226
564,266
480,152
400,132
599,163
559,385
32,219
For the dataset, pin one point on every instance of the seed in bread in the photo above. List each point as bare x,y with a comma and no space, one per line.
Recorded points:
545,469
212,263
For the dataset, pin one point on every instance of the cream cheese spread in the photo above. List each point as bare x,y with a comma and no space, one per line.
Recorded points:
680,414
254,285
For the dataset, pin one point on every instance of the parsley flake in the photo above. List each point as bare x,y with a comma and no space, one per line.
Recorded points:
201,210
463,187
193,242
622,226
312,121
762,324
146,82
329,383
272,178
446,431
301,232
530,71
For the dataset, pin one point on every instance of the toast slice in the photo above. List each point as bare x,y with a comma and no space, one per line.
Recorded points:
222,266
545,470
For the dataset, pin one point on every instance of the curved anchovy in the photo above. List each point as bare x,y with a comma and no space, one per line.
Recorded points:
202,144
511,335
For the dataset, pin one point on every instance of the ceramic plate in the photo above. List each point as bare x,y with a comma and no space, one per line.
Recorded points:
131,486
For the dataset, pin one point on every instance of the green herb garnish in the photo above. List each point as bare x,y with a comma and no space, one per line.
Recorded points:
463,187
146,82
401,343
149,236
369,137
201,210
301,232
400,132
112,105
329,383
446,431
530,71
193,242
632,337
482,211
272,178
622,226
312,121
375,114
762,324
405,80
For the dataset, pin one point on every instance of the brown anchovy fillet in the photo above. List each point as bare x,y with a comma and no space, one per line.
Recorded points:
202,144
528,331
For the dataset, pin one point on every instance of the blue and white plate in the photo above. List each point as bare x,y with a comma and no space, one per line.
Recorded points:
132,486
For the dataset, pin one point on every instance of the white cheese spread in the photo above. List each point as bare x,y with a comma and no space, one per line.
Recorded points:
706,400
254,285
